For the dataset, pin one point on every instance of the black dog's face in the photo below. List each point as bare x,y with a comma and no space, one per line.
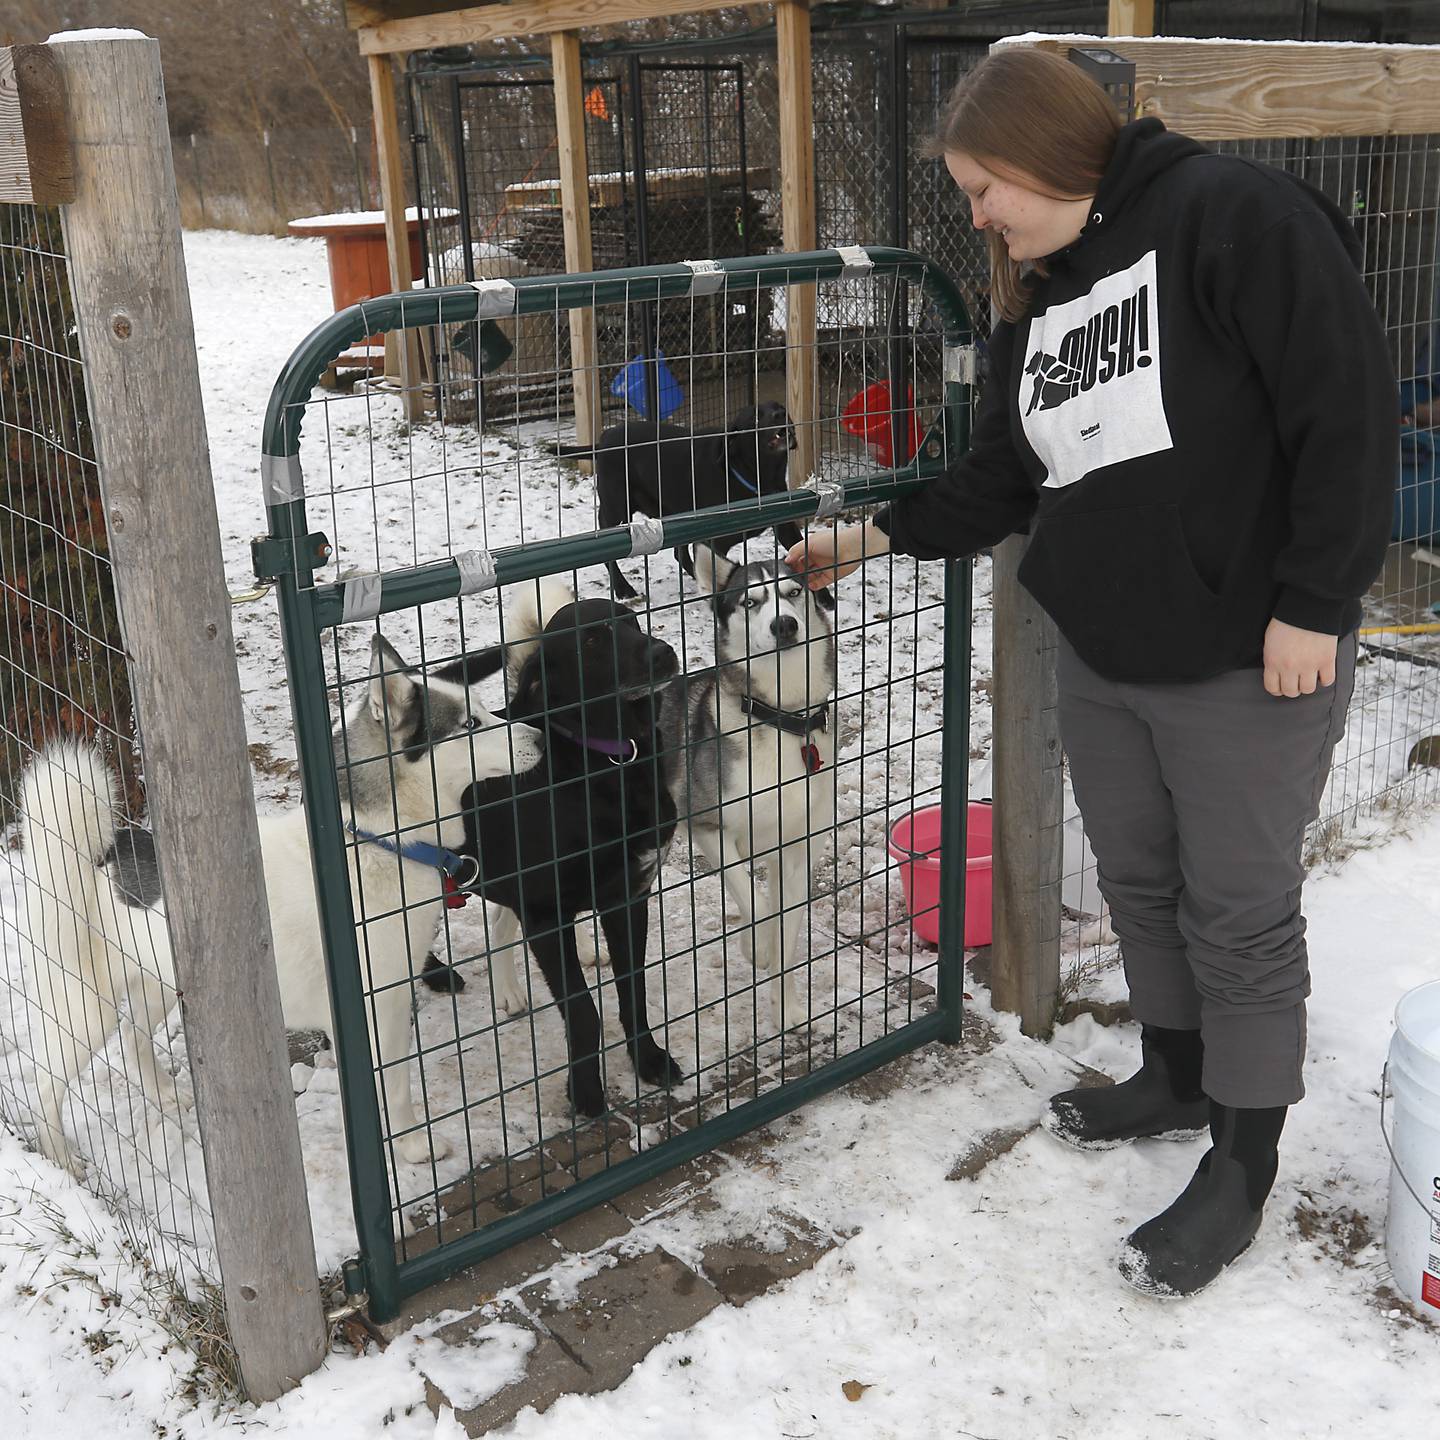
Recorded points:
594,651
770,426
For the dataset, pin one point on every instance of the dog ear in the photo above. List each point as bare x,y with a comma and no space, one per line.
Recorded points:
528,699
390,686
824,599
712,570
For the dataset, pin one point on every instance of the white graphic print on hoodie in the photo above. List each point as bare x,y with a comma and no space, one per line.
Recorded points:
1089,391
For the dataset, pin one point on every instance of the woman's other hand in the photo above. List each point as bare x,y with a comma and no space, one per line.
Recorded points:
825,556
1297,662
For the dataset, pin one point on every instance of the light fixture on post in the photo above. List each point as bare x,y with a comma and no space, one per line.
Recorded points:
1114,72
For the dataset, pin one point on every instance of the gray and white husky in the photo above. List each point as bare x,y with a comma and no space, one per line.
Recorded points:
752,754
405,756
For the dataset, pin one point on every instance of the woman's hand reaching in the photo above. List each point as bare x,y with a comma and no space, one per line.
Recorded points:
825,556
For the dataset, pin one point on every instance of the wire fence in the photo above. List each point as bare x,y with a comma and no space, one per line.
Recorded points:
93,1064
261,180
748,855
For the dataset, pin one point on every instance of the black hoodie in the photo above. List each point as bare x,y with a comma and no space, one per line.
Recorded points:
1196,420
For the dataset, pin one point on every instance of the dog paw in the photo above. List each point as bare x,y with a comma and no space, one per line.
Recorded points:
507,986
510,1006
791,1012
442,978
656,1066
418,1148
509,997
587,1095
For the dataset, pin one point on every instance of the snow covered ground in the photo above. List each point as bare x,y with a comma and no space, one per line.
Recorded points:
986,1307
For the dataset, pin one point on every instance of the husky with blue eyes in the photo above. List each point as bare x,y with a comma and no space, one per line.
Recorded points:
752,759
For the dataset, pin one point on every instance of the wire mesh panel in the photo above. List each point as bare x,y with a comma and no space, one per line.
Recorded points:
486,166
92,1058
699,191
690,911
939,218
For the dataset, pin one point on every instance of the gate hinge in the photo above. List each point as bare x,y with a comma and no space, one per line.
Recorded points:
355,1273
277,555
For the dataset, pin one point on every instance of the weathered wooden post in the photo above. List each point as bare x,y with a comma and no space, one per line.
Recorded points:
402,347
132,307
797,205
575,217
1029,802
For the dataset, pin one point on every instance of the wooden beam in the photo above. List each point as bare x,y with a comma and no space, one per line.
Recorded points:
797,211
1234,90
575,217
402,348
1029,801
1131,17
137,340
37,165
483,23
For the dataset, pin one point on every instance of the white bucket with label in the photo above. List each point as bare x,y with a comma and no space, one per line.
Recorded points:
1412,1230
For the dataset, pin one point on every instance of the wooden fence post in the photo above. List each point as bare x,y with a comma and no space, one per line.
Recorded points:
569,79
132,307
1130,17
402,347
1029,802
797,220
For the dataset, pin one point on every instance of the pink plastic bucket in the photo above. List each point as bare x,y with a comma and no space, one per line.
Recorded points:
915,842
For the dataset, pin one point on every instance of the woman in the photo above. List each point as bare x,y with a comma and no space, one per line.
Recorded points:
1191,407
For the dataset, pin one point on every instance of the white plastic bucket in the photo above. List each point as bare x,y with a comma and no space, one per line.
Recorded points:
1412,1228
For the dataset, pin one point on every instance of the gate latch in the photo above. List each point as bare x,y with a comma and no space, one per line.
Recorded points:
277,555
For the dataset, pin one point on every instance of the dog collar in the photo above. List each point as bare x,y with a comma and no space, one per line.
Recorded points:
744,480
459,871
619,752
792,722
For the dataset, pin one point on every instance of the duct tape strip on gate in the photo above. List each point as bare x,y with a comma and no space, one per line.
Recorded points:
494,299
706,276
282,479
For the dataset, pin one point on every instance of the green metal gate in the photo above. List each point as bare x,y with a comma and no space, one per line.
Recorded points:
893,320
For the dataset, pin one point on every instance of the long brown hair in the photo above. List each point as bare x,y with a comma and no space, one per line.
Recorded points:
1036,119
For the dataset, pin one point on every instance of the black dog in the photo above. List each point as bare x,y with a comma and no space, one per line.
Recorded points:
662,470
586,829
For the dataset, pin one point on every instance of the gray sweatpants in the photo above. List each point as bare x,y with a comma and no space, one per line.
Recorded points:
1196,798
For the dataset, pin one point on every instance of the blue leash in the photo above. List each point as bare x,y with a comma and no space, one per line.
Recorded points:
736,475
433,857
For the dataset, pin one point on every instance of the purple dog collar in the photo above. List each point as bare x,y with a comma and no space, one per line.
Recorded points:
620,752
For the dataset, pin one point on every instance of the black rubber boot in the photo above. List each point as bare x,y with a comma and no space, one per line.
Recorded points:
1218,1213
1162,1100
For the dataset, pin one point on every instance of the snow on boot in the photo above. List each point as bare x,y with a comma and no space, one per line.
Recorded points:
1162,1100
1218,1213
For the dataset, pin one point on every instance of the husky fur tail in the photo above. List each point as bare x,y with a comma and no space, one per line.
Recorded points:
67,811
530,607
75,942
68,806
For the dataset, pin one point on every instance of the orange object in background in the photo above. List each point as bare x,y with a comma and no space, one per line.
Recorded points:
869,415
360,265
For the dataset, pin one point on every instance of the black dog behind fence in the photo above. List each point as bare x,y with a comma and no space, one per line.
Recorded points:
686,917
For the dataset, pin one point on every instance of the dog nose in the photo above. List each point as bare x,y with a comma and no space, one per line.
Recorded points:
785,627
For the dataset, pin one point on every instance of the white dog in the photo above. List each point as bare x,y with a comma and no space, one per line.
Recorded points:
751,750
89,946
